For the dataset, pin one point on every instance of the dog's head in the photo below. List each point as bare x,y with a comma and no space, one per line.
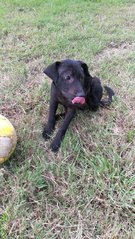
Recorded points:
69,78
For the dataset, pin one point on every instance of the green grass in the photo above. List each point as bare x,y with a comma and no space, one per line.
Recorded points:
86,190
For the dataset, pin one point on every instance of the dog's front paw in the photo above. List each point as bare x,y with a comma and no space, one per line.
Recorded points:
55,146
46,133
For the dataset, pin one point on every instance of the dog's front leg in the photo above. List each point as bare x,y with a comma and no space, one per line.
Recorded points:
59,136
52,113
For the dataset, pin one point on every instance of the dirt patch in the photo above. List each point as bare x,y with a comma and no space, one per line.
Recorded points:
115,50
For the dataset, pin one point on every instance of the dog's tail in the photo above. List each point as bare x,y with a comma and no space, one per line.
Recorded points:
110,94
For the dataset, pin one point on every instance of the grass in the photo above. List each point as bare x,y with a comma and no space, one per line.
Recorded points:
86,190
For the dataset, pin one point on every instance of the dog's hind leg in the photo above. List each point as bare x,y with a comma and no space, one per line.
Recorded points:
95,94
110,94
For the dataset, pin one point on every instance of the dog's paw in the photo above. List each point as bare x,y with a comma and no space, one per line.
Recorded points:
54,146
46,133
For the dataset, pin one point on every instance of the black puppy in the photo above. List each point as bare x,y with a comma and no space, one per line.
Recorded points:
73,87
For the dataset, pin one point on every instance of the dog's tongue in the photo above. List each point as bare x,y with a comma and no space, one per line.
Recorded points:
78,100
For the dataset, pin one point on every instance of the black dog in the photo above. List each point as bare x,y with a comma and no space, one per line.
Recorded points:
73,87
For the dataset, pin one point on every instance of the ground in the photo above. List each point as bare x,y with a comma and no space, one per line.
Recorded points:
87,189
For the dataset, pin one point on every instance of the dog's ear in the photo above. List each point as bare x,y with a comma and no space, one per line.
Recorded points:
52,71
85,68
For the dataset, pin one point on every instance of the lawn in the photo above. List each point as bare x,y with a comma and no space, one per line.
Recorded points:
87,189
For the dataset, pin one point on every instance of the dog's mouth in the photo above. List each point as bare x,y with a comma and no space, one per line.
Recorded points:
79,100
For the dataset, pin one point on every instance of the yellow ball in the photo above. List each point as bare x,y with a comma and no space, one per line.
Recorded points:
8,139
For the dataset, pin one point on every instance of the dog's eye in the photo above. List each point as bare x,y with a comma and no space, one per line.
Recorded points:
67,77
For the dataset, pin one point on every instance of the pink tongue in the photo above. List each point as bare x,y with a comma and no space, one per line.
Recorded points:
79,100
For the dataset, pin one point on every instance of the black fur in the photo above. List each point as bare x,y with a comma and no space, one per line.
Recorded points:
71,79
